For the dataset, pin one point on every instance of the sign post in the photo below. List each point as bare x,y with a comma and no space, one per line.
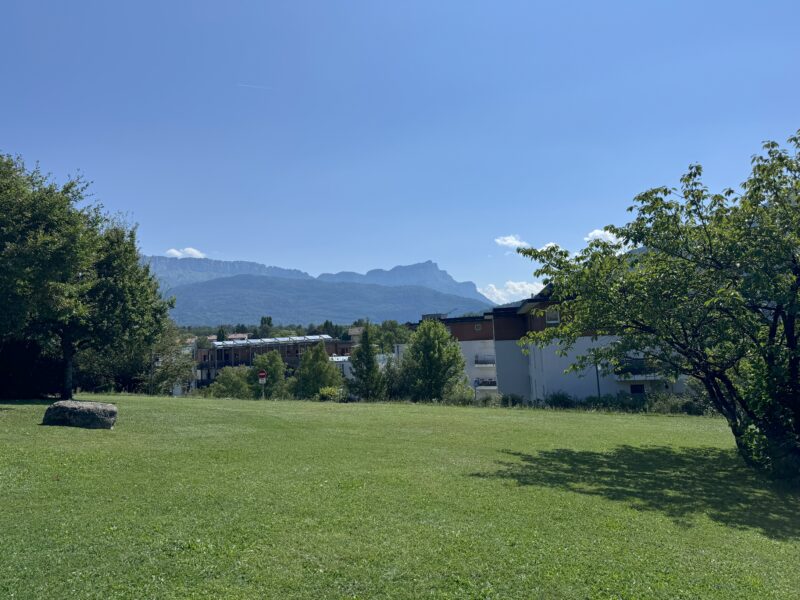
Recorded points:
262,379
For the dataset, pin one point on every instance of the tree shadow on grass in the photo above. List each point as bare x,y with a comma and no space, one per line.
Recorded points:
681,483
8,404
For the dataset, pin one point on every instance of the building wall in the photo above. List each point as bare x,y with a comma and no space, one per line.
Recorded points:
512,369
508,325
476,328
478,349
211,361
548,375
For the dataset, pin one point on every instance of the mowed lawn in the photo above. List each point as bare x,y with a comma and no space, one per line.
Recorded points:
190,498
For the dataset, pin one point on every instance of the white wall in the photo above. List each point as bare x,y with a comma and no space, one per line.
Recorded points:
548,376
513,376
480,348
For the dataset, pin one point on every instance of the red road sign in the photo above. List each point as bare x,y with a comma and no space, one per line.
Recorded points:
262,377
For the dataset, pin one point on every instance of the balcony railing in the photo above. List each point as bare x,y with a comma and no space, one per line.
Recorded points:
486,382
485,359
637,369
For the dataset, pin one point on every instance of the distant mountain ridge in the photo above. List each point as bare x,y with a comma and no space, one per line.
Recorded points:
246,298
172,272
425,274
211,292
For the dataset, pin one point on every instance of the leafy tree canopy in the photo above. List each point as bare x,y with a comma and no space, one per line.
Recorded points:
272,363
705,285
315,372
368,382
68,272
432,365
231,382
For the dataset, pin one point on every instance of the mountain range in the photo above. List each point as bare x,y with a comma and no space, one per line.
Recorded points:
210,292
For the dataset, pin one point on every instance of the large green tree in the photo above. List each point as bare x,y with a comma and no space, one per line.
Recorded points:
315,372
389,334
368,382
231,382
432,365
272,363
704,285
68,272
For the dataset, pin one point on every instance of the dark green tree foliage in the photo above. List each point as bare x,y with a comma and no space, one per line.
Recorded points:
711,293
368,382
232,382
27,370
396,387
221,334
388,334
264,329
432,365
272,363
68,273
315,372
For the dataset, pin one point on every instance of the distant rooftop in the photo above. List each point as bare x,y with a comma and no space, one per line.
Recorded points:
295,339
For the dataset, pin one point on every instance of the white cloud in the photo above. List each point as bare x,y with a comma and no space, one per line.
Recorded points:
511,291
548,245
599,234
510,241
185,253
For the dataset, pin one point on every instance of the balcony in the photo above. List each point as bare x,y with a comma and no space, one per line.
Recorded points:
485,383
485,360
637,369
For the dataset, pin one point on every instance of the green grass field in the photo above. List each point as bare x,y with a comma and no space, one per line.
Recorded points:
190,498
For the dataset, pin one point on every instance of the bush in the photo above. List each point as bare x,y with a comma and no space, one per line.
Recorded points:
461,395
486,400
231,382
560,400
510,400
621,402
330,394
687,404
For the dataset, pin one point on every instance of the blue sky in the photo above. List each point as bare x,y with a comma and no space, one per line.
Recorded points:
333,136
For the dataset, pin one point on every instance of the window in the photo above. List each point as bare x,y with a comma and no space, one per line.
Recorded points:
478,326
552,316
637,389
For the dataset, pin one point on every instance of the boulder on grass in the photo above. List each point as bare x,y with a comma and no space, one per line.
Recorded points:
91,415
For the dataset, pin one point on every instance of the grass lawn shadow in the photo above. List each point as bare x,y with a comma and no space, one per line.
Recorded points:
678,482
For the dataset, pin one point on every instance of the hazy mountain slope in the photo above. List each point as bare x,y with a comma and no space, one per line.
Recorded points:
172,272
426,274
245,298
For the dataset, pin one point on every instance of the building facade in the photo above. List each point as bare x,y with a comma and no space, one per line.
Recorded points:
234,353
495,362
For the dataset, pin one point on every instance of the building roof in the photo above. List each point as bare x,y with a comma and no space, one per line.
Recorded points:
295,339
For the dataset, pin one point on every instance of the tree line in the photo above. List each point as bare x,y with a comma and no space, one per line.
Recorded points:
431,368
77,307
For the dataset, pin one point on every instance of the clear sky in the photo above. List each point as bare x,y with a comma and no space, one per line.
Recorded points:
348,135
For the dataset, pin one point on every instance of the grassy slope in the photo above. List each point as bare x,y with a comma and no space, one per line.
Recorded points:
216,498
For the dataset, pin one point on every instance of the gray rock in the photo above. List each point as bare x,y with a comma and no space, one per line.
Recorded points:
91,415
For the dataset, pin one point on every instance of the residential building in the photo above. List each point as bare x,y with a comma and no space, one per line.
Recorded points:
496,362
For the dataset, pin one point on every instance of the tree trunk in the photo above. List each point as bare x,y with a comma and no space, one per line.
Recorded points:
68,352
